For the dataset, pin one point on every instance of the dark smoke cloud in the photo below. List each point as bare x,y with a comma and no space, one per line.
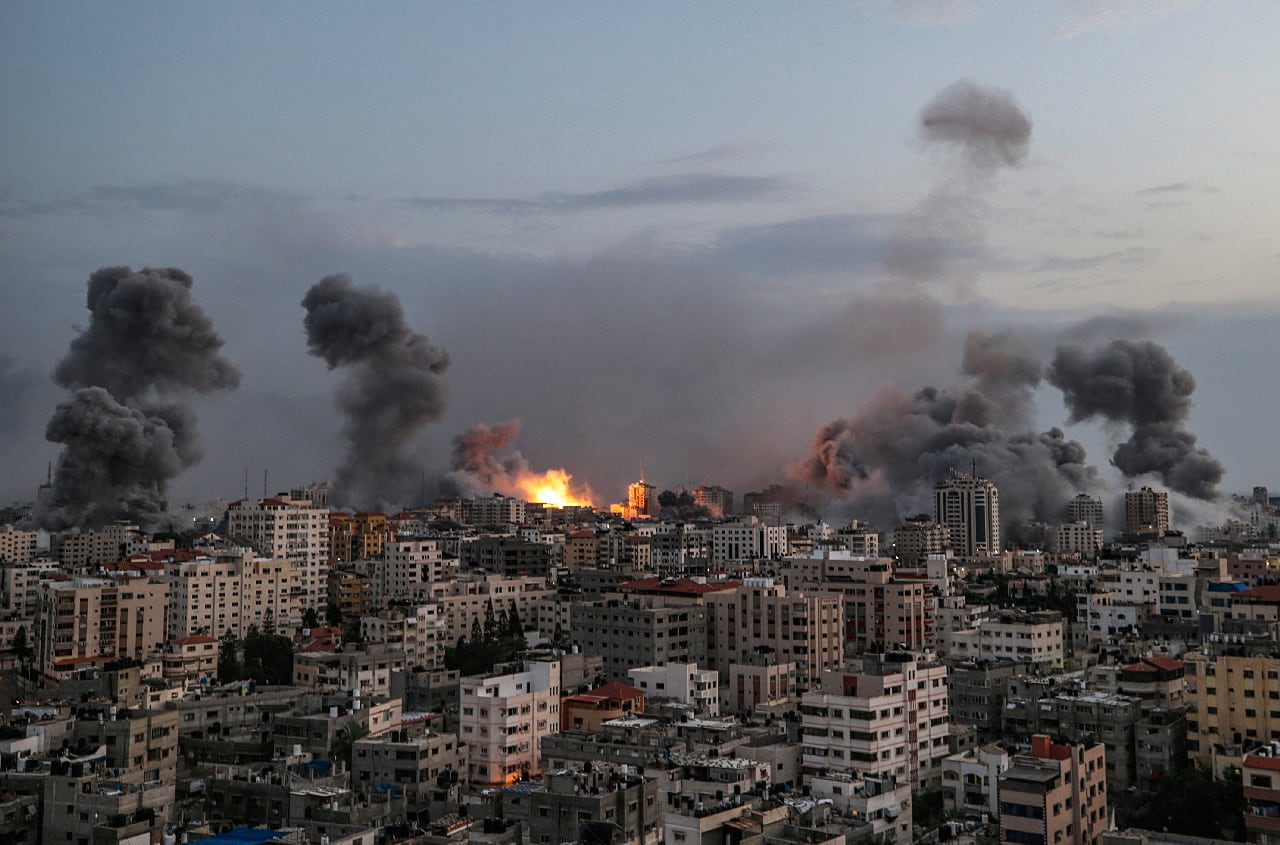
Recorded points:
680,506
145,333
885,462
479,468
146,338
988,132
1140,385
394,388
986,124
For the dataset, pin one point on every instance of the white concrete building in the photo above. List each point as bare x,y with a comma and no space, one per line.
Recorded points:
748,539
289,529
684,682
1025,637
971,780
890,719
503,718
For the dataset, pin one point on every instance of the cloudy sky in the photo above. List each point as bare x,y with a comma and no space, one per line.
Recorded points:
683,234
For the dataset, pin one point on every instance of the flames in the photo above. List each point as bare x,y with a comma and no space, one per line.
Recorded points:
554,487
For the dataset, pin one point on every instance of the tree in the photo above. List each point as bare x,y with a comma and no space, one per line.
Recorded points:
476,633
19,646
557,636
333,614
515,625
310,619
343,746
490,621
229,668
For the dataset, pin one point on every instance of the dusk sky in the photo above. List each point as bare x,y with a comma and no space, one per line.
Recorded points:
664,232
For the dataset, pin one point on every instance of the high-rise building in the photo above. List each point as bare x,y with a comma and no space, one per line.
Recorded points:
641,501
1146,511
968,508
917,538
289,529
717,500
16,545
1085,508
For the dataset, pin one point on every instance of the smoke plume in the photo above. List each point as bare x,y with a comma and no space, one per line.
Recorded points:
1140,385
987,132
395,384
146,339
885,462
479,467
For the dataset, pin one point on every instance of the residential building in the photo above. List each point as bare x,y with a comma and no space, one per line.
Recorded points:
232,590
684,682
1027,637
891,718
16,545
506,555
1232,699
804,628
1260,775
642,630
589,710
599,802
1087,509
1146,511
749,538
410,763
917,538
971,781
76,550
1055,794
717,500
358,536
86,622
286,528
503,718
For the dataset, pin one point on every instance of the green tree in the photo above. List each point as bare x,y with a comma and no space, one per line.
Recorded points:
490,621
476,633
343,746
515,625
557,636
333,614
19,646
310,619
229,668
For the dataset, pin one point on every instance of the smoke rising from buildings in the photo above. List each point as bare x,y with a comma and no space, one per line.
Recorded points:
1138,384
884,462
479,467
395,384
146,338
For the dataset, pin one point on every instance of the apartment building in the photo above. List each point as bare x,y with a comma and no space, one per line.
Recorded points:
760,615
684,682
285,528
503,718
412,764
16,545
1231,699
465,598
1260,774
642,630
748,539
232,590
20,585
614,803
357,536
505,555
1034,638
1055,794
408,567
82,622
416,630
971,781
79,549
889,719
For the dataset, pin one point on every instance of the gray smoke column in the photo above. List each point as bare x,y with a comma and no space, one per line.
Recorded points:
883,463
146,340
395,384
482,463
1140,385
987,132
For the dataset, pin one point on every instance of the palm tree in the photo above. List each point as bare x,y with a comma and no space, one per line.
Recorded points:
344,741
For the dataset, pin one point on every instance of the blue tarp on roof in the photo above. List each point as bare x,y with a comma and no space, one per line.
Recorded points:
244,836
1227,587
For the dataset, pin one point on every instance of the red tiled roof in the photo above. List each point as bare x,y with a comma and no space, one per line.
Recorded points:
1152,664
614,689
1266,594
1272,763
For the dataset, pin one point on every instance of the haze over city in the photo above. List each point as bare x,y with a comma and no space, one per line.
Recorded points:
693,238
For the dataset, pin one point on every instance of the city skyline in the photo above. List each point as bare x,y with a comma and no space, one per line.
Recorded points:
642,250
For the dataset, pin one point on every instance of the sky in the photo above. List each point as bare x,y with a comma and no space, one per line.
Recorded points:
660,234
